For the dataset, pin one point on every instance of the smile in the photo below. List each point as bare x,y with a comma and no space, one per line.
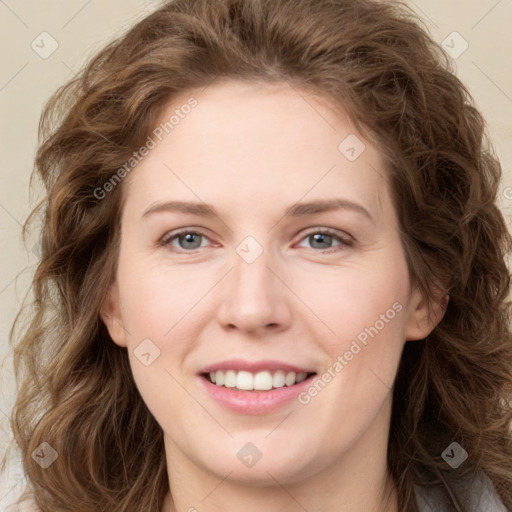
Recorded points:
260,381
260,387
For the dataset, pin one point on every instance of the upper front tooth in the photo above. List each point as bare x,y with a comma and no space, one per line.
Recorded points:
263,381
230,379
245,380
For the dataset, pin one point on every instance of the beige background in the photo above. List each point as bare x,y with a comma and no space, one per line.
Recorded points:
81,27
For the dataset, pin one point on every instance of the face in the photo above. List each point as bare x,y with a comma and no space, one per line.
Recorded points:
280,269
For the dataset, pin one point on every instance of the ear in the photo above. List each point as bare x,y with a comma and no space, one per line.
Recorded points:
421,321
110,313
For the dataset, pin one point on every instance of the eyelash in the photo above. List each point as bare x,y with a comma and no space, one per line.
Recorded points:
348,241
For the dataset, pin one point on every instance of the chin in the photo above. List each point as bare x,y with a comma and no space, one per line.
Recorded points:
267,466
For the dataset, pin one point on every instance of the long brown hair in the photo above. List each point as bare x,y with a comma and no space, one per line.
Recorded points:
377,61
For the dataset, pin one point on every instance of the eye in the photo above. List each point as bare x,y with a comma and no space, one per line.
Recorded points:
324,237
190,240
187,240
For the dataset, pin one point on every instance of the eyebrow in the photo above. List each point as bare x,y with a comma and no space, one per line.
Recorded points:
296,210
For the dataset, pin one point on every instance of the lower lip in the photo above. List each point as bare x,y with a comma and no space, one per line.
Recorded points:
254,402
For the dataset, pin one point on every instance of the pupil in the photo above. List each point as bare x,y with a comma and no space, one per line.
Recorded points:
318,237
189,238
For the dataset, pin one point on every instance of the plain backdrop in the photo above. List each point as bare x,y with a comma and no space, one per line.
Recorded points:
45,42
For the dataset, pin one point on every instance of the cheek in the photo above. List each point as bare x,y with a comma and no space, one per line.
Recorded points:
357,302
160,308
157,309
157,299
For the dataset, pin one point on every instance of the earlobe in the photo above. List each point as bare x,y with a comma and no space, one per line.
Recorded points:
111,316
422,321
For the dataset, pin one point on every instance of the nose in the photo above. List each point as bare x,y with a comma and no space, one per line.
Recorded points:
254,299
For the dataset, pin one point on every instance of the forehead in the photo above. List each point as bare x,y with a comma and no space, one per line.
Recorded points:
271,142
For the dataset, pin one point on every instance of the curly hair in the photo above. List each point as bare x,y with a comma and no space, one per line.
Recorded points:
377,61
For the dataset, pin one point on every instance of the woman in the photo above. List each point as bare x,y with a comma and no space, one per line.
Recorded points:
256,368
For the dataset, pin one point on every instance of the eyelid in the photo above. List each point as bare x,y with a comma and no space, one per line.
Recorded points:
343,236
171,235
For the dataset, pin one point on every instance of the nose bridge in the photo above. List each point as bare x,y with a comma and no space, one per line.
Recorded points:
254,297
251,276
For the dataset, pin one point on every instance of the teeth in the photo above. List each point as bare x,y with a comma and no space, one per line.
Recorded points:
219,378
278,379
244,380
230,379
290,379
300,377
261,381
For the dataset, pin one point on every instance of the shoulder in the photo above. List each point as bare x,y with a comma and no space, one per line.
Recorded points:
476,495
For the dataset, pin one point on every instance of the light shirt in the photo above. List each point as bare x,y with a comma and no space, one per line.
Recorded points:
481,497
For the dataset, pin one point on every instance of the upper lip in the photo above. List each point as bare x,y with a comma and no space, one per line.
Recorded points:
254,366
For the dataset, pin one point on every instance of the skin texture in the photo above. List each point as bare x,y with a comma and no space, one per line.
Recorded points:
251,151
